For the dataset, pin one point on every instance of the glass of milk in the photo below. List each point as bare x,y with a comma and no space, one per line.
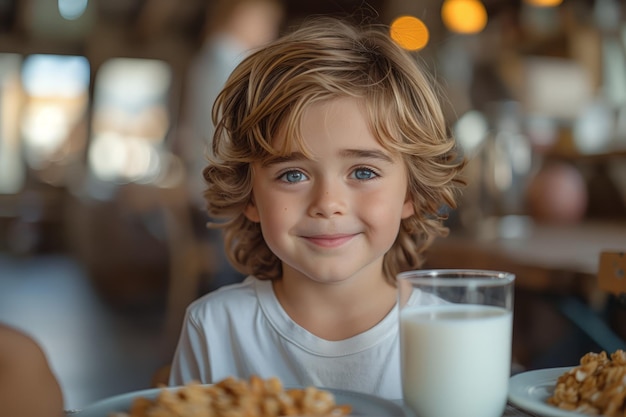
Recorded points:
455,341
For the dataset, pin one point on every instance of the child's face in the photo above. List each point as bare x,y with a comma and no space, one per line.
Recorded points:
333,217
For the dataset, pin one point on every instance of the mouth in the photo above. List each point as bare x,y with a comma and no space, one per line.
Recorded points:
329,241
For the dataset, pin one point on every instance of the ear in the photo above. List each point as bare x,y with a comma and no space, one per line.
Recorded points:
407,208
251,212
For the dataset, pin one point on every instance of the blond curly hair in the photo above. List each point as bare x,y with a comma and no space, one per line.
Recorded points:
324,59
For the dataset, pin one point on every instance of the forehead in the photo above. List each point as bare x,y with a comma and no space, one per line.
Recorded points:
332,119
340,116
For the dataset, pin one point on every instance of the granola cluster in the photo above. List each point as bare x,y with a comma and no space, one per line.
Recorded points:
596,387
233,397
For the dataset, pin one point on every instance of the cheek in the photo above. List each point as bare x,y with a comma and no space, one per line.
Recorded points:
276,225
274,214
387,204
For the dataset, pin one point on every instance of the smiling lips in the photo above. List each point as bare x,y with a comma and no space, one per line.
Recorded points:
329,241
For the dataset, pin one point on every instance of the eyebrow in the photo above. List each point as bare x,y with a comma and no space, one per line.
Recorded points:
366,154
295,156
347,153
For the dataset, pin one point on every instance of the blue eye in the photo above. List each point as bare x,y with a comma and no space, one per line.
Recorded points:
293,176
364,174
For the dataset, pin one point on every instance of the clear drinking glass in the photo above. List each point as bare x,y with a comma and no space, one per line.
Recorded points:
455,340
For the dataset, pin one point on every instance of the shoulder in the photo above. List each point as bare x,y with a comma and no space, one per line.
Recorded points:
25,374
19,347
240,298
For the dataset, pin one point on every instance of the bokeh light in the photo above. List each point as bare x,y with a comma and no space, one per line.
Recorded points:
130,120
409,32
544,3
57,96
72,9
464,16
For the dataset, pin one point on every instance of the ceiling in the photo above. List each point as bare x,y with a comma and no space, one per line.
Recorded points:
145,19
172,28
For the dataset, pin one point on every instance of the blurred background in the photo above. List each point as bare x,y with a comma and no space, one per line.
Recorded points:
105,111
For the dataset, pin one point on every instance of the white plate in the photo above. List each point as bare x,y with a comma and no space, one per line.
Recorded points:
362,404
530,390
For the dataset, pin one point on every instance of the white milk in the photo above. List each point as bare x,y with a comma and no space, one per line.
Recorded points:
456,359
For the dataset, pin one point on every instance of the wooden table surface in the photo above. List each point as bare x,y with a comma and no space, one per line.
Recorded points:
510,411
557,291
544,257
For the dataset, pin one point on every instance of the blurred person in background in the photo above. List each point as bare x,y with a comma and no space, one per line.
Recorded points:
233,28
28,387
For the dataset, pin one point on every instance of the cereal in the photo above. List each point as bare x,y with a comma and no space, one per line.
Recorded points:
596,387
233,397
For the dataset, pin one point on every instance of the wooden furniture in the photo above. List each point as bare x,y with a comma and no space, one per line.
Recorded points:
612,273
188,256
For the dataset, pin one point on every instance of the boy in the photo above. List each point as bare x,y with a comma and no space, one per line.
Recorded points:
330,166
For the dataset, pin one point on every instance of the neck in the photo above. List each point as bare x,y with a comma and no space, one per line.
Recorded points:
339,310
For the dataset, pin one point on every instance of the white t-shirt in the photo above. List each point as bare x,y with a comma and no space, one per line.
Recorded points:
242,330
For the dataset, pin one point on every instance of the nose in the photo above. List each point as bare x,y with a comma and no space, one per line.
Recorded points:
328,199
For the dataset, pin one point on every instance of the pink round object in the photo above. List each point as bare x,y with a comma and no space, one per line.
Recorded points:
557,194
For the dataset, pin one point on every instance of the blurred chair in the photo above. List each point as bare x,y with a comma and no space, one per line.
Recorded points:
189,257
611,274
612,279
596,325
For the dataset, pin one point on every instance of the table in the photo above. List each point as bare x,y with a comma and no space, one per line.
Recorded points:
555,268
510,411
541,253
